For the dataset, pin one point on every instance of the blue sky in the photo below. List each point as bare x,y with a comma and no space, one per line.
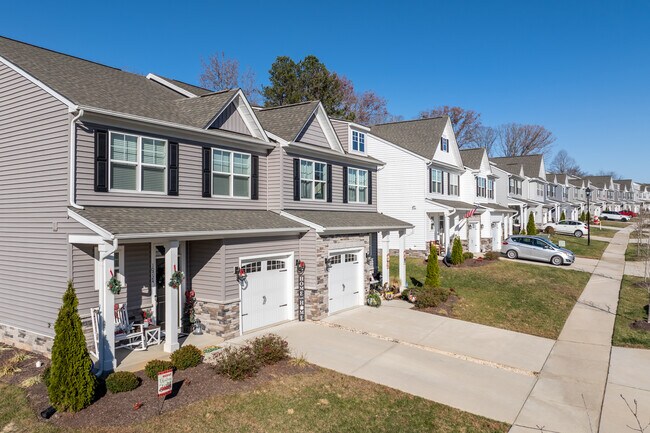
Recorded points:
580,68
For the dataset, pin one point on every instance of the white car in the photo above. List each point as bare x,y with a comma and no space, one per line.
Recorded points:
569,227
613,216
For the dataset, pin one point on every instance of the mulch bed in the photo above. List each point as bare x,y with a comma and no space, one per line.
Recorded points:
444,309
190,386
640,325
27,368
475,263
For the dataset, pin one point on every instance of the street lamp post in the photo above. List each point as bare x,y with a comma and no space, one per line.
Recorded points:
588,194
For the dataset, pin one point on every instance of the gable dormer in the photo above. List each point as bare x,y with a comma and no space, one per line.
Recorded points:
447,150
353,136
238,116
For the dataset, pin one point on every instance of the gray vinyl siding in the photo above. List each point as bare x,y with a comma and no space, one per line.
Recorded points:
309,254
342,133
206,269
190,189
313,134
275,181
337,190
33,193
231,120
137,277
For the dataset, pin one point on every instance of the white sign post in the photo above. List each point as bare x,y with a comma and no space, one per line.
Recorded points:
165,384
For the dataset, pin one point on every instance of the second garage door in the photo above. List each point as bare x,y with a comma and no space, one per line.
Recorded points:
266,294
345,280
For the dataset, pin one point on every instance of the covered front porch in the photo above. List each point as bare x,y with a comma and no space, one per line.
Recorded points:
451,218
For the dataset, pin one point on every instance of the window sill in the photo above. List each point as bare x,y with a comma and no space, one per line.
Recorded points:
127,191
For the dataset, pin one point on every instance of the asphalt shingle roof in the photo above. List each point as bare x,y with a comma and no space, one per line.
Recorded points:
288,120
456,204
600,181
199,91
472,158
418,136
124,221
532,163
333,220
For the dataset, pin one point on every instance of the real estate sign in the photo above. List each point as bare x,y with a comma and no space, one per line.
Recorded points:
165,381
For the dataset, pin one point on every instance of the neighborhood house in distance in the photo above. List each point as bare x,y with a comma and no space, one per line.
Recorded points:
107,176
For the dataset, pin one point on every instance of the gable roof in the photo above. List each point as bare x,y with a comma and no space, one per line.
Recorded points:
420,136
577,182
600,181
472,158
200,111
532,164
286,121
197,90
512,168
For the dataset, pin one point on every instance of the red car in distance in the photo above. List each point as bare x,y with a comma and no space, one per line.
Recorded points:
629,213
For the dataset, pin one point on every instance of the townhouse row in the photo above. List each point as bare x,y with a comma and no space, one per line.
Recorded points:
271,214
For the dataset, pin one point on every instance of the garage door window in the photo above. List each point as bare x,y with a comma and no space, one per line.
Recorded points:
273,265
253,267
335,259
350,258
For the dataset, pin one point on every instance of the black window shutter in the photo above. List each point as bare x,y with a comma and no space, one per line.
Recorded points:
296,179
442,183
369,187
430,180
345,184
172,168
101,161
329,183
255,178
207,172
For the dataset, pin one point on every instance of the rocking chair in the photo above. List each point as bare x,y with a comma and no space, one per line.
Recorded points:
127,335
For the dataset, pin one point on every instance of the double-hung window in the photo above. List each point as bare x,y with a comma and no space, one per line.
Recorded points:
231,174
490,188
357,185
481,187
436,181
358,141
313,180
453,184
137,163
540,190
515,186
444,144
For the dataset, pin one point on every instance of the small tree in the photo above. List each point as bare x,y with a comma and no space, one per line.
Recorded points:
72,384
433,268
522,231
562,216
531,229
457,252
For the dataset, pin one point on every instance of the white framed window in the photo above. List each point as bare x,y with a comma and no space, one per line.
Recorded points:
231,174
357,185
436,181
481,187
444,144
358,141
350,257
454,181
252,267
540,190
274,265
490,188
335,259
313,180
118,265
137,163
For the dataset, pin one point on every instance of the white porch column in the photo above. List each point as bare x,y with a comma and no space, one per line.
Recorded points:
402,262
385,271
171,298
106,346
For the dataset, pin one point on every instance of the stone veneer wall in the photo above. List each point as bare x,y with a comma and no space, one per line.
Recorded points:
26,340
317,299
218,319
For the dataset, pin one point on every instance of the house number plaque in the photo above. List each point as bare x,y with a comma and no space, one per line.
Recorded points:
301,290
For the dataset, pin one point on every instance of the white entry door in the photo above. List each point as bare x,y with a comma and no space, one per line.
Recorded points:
496,236
345,280
266,293
474,237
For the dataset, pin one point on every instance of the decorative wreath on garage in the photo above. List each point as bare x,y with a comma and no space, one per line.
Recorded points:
176,279
114,285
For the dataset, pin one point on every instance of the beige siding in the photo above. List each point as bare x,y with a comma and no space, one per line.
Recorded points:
342,133
231,120
33,197
275,181
313,134
190,194
337,190
137,277
206,269
309,254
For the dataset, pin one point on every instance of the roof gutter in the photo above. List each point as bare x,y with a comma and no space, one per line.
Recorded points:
73,158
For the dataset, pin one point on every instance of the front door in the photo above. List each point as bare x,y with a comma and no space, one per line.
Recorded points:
496,236
159,278
474,238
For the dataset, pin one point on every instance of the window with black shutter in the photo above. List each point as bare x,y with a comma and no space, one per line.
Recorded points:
329,183
172,168
296,179
207,172
255,178
345,184
369,187
101,161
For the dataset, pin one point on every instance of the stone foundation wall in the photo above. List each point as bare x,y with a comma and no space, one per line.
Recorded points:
26,340
218,319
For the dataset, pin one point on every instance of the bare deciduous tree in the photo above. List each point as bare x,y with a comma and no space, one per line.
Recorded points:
610,173
488,138
516,139
564,163
368,107
223,73
466,123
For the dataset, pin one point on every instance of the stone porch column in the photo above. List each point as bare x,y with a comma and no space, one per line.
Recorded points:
402,262
385,251
171,298
107,360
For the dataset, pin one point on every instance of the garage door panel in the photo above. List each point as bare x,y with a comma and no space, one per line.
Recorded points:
265,298
344,280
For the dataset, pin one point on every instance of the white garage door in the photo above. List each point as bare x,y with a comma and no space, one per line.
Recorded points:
345,281
266,294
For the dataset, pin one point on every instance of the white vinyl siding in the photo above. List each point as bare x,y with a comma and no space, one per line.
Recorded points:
313,180
231,174
357,185
137,163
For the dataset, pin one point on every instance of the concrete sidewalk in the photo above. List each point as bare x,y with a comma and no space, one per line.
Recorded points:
568,394
636,269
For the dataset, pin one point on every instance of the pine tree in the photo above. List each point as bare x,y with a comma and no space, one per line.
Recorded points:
531,229
457,252
72,384
583,216
562,216
433,268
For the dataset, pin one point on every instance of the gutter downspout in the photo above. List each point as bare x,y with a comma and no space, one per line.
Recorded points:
73,158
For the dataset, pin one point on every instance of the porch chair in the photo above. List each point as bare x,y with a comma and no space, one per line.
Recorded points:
127,335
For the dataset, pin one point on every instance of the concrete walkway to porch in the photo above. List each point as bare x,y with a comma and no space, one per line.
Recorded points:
568,395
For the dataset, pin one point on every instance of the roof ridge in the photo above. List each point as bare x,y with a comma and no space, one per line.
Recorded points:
288,105
411,120
65,54
188,84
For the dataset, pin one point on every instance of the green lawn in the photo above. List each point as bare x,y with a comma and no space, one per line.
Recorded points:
579,246
634,252
632,305
603,233
321,401
509,294
619,224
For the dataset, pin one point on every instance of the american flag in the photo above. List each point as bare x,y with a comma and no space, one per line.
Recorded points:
471,213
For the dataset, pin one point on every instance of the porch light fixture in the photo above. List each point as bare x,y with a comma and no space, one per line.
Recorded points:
328,263
368,258
300,267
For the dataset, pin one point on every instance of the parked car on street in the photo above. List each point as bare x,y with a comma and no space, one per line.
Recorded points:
536,248
613,216
629,213
570,227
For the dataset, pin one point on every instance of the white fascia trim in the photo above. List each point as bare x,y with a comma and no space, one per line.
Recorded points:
72,107
213,133
85,239
257,125
172,86
448,166
105,235
321,152
349,123
366,229
213,234
326,126
318,228
277,138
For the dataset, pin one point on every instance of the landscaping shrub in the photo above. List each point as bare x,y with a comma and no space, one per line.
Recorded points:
583,216
457,252
428,297
270,348
122,381
373,300
562,216
549,230
433,268
531,229
71,383
492,255
237,363
468,255
405,294
186,357
45,376
522,231
155,366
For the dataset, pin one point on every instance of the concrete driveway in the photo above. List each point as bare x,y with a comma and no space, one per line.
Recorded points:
475,368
